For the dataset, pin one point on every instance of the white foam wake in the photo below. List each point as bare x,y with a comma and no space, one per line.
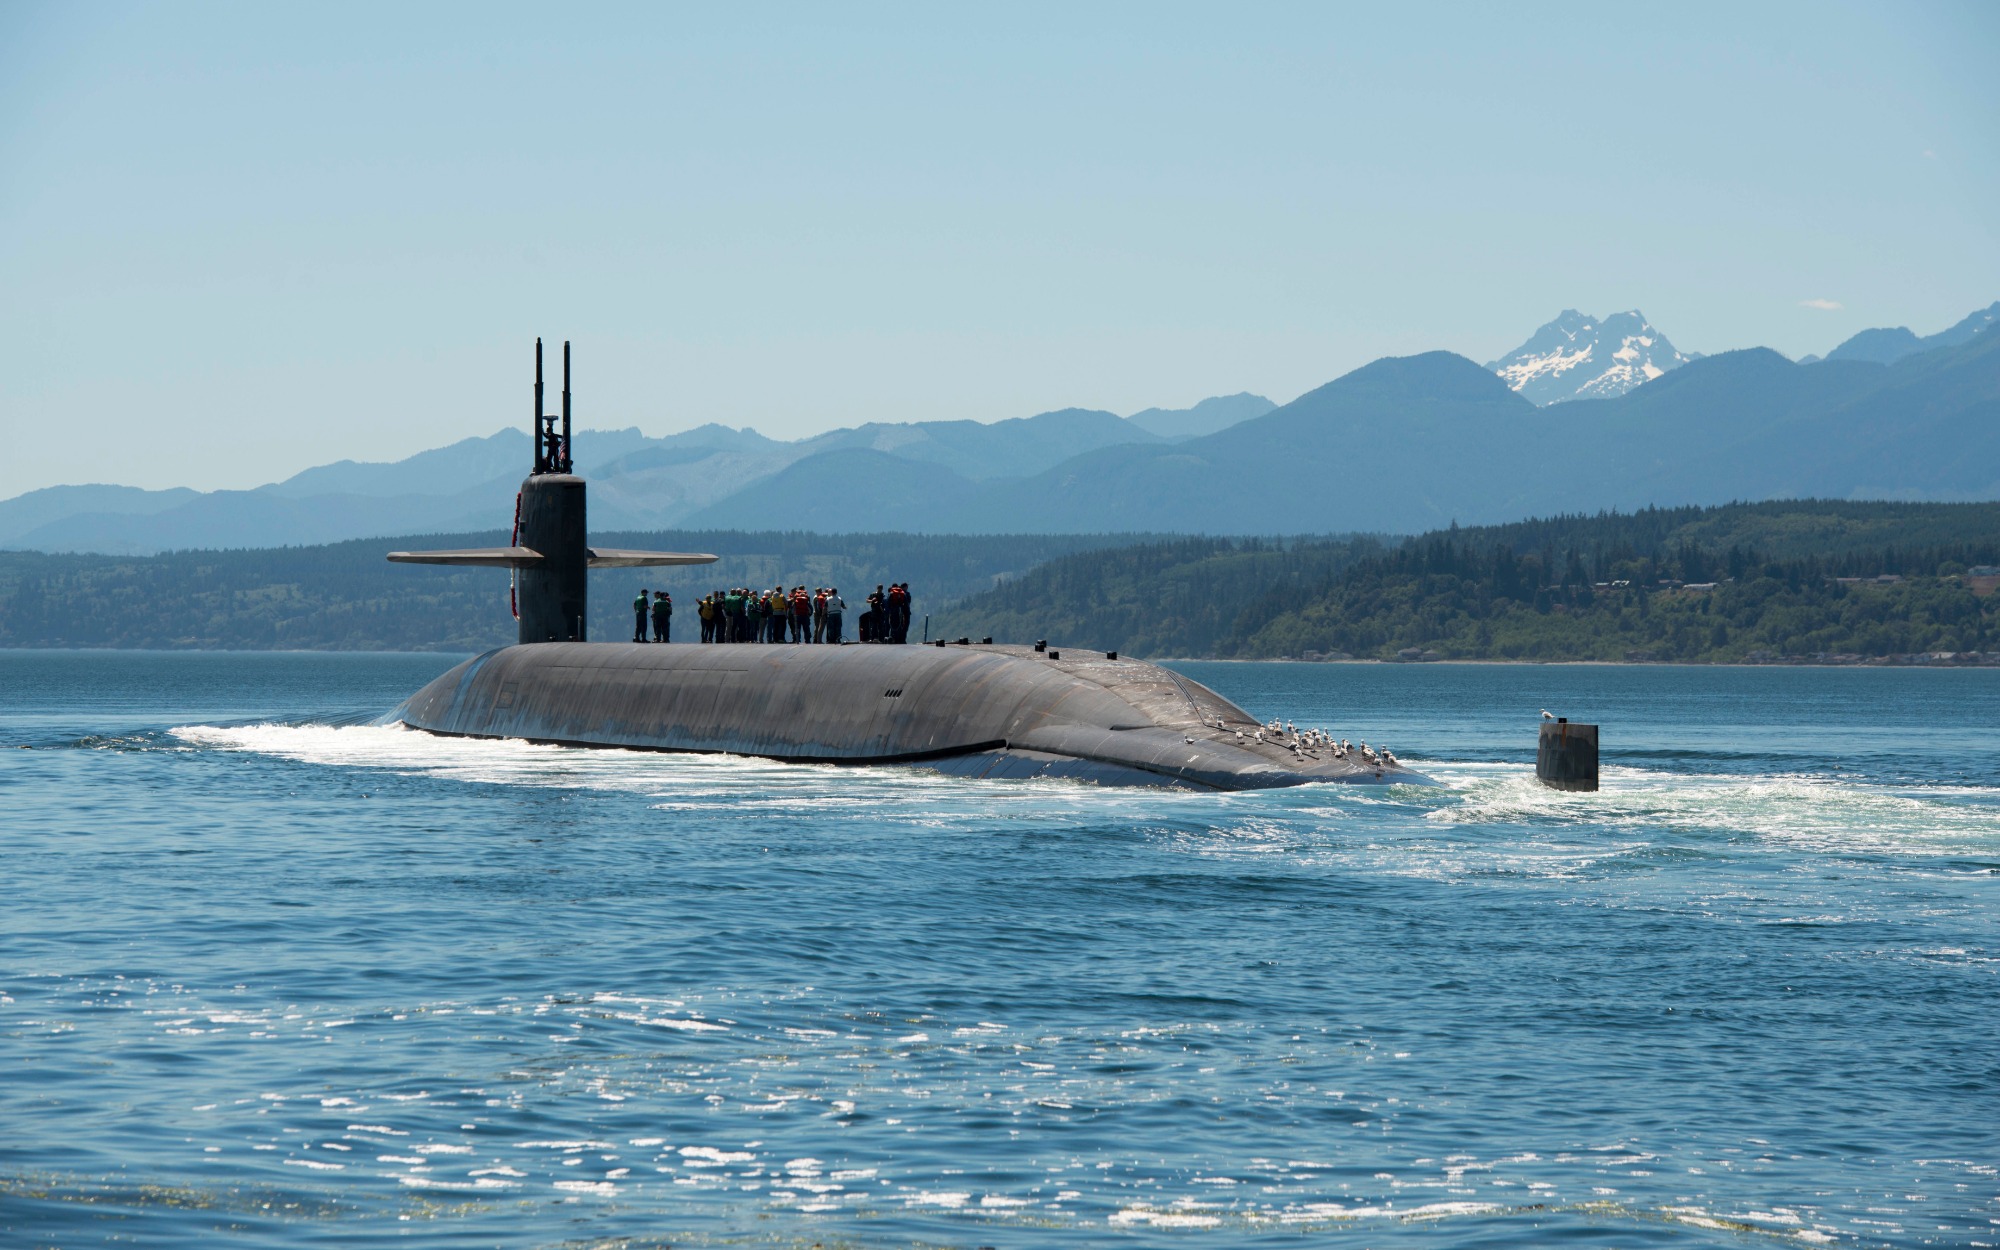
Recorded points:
1782,812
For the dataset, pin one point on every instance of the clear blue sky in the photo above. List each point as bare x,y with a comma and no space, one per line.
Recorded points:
238,240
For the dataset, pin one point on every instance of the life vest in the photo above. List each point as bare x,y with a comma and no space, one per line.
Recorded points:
639,604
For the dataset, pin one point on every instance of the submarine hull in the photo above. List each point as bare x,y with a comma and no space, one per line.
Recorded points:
984,711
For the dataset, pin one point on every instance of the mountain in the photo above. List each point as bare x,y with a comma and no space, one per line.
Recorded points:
262,518
1400,445
1010,448
1886,347
637,482
24,514
1397,445
442,471
836,492
1579,357
1207,417
1416,443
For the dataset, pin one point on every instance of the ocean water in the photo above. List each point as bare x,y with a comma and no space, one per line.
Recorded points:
273,976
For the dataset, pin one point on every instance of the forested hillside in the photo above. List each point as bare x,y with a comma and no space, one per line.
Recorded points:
345,596
1742,582
1185,597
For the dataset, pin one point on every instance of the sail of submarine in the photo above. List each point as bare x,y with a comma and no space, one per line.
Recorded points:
968,709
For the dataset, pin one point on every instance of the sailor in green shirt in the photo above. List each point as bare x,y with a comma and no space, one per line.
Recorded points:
639,607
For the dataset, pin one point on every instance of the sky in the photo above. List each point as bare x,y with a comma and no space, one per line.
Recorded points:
240,240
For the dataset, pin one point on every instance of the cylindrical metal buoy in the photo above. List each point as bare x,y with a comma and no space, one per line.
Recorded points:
1566,757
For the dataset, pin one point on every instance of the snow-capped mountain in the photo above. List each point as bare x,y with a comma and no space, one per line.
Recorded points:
1579,357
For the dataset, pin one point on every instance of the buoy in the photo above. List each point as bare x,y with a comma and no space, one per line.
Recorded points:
1566,755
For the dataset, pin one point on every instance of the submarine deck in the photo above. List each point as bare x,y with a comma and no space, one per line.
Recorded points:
982,710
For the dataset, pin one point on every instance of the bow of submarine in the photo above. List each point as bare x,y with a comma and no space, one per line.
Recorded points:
984,711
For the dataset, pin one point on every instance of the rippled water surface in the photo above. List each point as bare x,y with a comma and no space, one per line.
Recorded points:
269,975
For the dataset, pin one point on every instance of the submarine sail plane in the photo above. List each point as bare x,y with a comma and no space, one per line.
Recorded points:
970,709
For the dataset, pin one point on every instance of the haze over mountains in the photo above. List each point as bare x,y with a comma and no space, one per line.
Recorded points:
1400,445
636,482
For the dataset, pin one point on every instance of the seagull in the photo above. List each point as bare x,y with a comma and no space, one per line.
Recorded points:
1548,715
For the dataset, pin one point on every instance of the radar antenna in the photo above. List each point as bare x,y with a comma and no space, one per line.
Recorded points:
552,450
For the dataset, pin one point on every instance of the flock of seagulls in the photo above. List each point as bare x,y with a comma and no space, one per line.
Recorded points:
1310,742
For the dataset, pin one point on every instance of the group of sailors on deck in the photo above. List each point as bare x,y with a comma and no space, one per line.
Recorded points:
778,615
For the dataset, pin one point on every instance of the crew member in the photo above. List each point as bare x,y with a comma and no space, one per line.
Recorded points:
639,607
835,605
899,612
802,609
663,616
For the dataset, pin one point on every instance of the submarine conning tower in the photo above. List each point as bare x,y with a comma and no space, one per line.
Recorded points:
550,553
553,597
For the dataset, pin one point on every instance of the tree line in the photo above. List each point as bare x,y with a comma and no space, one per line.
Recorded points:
1723,584
346,596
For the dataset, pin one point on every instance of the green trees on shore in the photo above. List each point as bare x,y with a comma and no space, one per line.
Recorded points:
1746,581
1742,582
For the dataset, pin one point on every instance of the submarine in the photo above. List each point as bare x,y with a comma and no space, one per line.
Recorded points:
966,708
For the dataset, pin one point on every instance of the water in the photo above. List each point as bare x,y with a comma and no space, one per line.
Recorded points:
275,977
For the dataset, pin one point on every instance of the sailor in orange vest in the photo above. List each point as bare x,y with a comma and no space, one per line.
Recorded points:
899,612
802,610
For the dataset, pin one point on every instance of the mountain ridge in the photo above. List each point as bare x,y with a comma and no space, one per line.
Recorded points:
1402,443
1886,346
1582,357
